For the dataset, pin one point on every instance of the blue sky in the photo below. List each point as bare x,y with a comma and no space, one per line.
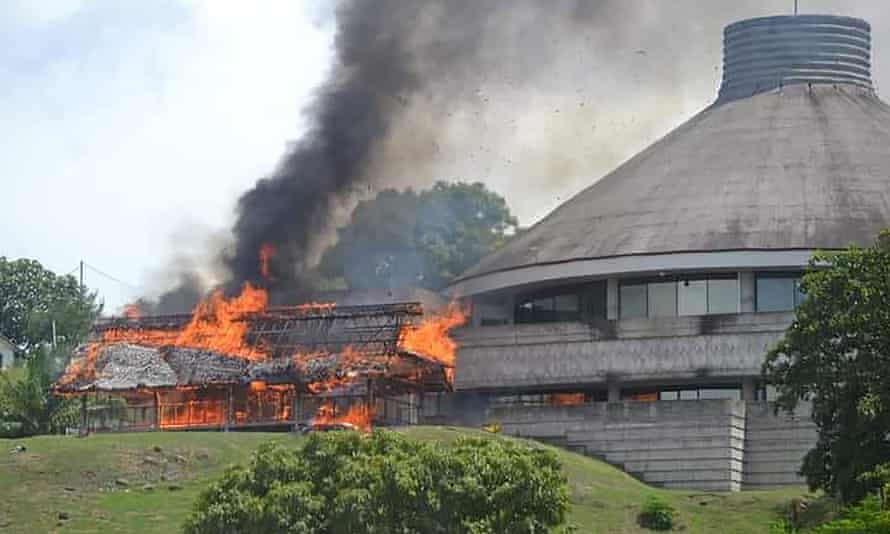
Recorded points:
129,128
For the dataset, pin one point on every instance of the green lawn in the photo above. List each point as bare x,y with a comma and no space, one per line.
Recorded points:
80,477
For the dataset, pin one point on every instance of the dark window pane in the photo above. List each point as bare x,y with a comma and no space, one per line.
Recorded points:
723,295
633,301
566,303
544,304
662,299
596,300
775,293
692,297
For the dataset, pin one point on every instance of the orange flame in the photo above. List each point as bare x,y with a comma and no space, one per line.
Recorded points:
357,415
214,326
267,252
347,358
430,338
566,399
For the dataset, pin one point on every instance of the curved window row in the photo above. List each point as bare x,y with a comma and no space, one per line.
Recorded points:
670,297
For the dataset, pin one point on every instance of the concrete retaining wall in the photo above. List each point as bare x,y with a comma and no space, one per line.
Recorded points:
775,446
713,445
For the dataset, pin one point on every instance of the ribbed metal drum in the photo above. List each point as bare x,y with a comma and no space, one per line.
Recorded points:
766,53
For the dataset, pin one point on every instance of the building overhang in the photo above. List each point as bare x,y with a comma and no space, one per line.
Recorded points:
631,265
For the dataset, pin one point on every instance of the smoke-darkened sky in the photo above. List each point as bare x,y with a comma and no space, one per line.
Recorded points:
130,134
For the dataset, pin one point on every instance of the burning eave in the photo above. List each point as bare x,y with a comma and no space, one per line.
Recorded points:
315,348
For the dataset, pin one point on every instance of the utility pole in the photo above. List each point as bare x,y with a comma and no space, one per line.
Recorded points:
81,276
795,6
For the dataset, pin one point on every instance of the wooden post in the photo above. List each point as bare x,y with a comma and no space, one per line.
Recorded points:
228,415
369,398
157,403
84,422
295,409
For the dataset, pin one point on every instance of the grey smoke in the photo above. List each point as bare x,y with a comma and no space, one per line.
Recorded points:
537,99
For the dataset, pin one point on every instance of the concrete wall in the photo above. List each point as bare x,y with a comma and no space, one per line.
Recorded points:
775,446
502,357
712,445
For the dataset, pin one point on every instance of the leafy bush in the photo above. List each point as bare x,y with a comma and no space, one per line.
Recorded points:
657,515
10,429
344,482
867,517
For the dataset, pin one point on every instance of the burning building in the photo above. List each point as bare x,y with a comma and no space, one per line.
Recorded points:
667,280
237,362
630,323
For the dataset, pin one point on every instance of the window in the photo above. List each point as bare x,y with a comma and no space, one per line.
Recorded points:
720,393
633,301
778,291
566,303
692,297
701,393
689,394
723,295
662,299
669,395
595,300
679,296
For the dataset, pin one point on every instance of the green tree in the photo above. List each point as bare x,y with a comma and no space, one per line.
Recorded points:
29,401
425,239
344,482
836,354
33,297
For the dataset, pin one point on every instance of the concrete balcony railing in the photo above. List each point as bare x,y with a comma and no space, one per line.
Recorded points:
637,350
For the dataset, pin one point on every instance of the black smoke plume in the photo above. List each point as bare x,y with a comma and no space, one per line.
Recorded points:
389,55
536,99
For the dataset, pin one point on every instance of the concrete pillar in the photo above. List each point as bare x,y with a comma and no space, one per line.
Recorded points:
749,388
612,299
614,392
747,292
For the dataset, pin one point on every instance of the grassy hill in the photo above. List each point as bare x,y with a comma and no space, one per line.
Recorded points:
146,482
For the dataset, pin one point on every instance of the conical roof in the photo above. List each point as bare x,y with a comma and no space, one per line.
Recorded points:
804,165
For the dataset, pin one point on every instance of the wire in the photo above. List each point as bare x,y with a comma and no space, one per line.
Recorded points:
108,276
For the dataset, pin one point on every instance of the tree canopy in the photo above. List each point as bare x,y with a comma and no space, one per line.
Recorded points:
836,355
418,239
33,297
385,482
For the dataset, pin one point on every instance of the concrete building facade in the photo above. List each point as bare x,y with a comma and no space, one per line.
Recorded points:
632,322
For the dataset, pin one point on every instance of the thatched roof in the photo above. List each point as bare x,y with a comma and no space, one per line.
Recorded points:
298,346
